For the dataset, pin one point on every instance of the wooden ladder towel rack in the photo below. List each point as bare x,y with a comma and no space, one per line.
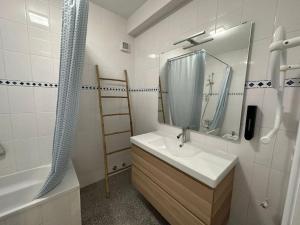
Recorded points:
160,98
104,135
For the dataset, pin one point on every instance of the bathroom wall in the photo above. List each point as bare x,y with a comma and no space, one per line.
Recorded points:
263,170
29,67
105,32
29,59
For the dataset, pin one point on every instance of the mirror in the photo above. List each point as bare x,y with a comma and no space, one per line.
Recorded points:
202,86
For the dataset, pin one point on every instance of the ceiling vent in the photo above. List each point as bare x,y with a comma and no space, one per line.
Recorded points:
124,47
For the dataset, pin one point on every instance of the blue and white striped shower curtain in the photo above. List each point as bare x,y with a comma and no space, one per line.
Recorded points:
73,40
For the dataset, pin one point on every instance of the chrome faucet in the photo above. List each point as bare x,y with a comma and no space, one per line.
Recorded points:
184,137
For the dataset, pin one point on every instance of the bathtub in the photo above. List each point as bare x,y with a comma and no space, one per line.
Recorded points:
18,206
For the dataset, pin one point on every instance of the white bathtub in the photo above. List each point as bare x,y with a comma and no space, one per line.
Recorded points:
17,203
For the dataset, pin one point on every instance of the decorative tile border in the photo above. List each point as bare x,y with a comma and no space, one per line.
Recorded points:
292,82
231,93
27,83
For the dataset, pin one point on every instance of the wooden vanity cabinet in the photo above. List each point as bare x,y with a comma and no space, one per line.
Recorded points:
180,199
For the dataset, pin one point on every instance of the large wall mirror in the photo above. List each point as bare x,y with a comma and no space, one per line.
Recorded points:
202,86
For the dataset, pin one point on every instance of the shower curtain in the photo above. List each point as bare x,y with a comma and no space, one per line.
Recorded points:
222,101
185,87
73,39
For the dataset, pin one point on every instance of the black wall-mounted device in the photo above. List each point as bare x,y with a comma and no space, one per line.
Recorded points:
250,122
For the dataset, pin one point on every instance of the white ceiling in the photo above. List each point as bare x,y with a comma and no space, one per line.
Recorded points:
123,8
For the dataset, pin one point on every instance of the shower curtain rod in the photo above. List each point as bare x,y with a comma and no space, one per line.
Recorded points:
195,52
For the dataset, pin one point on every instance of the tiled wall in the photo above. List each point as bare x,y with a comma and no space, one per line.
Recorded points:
263,170
29,67
105,32
29,51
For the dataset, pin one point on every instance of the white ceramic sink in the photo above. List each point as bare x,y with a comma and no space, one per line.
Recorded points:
209,167
171,146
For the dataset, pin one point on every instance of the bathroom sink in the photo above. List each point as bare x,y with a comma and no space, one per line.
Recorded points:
209,167
171,146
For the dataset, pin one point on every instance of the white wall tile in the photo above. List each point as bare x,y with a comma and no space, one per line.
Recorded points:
55,19
259,182
259,60
288,14
55,45
229,20
4,104
57,3
13,10
255,10
24,125
46,99
45,146
14,36
179,24
42,69
239,208
276,194
207,11
17,66
5,131
7,164
26,153
38,9
244,150
46,122
21,99
2,67
227,6
40,43
264,153
284,148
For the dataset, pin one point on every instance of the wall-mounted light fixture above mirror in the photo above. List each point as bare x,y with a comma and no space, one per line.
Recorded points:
202,83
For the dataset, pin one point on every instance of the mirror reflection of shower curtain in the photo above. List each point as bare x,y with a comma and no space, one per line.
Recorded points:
222,101
185,77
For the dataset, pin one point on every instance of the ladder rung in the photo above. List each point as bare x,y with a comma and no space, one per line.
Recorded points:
117,151
118,132
101,78
114,96
119,170
116,114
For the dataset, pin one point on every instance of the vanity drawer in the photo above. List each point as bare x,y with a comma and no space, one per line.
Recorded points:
191,194
169,208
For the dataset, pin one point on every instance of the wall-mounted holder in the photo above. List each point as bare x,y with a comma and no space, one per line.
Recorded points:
250,122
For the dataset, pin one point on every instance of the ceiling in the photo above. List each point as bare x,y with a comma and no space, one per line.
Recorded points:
123,8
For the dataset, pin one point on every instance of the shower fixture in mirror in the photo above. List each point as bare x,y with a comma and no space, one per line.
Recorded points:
202,85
